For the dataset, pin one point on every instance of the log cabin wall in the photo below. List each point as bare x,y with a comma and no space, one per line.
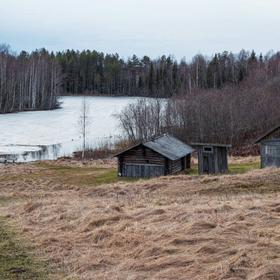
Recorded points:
143,155
142,162
176,166
160,156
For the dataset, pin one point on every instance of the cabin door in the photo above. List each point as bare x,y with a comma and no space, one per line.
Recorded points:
206,163
208,160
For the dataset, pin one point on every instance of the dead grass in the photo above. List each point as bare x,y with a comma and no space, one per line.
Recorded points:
64,172
177,227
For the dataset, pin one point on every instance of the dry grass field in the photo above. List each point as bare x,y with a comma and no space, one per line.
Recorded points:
81,222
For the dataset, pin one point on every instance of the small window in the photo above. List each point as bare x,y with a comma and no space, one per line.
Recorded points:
208,149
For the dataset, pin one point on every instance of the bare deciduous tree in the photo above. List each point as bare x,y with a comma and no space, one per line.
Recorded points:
84,122
143,119
232,115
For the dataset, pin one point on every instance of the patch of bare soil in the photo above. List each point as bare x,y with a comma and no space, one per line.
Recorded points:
178,227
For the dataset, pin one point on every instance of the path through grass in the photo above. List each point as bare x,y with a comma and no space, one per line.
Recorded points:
81,176
16,260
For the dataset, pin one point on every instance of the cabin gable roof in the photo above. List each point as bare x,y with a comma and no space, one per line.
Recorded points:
268,134
166,145
170,147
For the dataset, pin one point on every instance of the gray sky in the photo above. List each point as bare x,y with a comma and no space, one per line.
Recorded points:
152,27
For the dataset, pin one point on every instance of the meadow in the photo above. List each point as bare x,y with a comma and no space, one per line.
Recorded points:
67,220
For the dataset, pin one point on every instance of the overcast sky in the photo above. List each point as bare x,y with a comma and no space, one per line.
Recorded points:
144,27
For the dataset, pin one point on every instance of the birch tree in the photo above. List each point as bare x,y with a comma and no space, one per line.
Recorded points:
84,123
28,81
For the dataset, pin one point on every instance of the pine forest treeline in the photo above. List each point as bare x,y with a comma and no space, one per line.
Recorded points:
28,81
32,81
94,72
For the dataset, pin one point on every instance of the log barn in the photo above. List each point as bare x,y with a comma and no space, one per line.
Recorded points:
270,148
212,158
161,156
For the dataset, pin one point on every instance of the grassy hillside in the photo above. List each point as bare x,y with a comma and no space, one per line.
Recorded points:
177,227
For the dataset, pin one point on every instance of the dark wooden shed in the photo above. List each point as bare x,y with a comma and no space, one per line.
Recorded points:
270,148
212,158
161,156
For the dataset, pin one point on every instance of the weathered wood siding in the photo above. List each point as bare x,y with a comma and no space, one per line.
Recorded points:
143,170
175,166
222,159
270,153
179,165
141,161
141,154
212,162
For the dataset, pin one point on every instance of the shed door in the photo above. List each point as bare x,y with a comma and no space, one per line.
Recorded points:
143,170
208,160
206,163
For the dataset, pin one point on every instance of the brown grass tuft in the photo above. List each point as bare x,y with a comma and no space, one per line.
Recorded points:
30,206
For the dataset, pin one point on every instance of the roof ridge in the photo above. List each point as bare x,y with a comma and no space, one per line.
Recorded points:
167,145
266,134
158,137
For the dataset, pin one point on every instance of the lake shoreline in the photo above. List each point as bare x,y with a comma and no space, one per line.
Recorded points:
57,131
31,110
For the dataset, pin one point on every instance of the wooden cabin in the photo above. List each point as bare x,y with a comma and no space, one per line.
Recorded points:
212,158
270,148
159,157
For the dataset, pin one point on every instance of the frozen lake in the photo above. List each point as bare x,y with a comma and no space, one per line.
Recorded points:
41,135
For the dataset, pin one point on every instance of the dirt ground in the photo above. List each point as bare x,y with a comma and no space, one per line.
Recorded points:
177,227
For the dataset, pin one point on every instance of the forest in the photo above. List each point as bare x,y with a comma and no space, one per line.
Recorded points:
28,81
229,98
93,72
234,103
32,80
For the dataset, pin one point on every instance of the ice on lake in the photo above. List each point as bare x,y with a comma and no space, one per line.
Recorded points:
42,135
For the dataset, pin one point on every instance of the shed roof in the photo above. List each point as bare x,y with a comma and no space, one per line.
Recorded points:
274,142
260,139
212,144
168,146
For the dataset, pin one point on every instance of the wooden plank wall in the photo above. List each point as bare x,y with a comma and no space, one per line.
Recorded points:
270,154
222,158
143,171
215,162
